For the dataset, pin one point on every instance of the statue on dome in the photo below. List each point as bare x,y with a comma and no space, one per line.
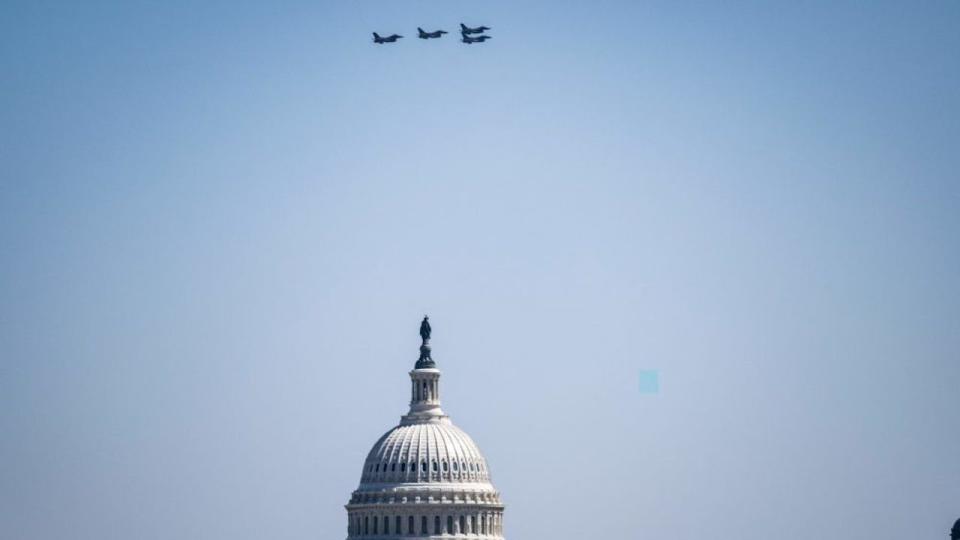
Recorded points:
425,329
425,361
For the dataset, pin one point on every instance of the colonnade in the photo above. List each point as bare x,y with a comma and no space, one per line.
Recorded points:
381,524
427,390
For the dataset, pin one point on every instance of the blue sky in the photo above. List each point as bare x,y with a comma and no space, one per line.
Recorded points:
220,225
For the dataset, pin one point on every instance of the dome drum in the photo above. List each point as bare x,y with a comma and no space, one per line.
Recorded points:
426,522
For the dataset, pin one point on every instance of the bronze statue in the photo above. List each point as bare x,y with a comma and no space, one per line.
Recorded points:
425,361
425,329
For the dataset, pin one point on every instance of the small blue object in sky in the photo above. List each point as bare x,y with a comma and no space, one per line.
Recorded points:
649,381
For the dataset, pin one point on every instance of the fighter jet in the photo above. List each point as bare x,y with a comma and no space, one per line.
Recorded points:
464,29
430,35
388,39
468,40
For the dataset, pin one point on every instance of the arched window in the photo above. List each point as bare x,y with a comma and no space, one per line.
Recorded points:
471,466
436,524
449,525
410,525
393,466
366,524
423,525
445,466
455,466
378,468
397,523
375,520
463,525
386,524
434,464
403,466
423,466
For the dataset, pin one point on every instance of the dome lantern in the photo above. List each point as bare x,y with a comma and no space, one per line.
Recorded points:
425,385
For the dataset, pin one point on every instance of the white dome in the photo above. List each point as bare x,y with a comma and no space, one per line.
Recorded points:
430,452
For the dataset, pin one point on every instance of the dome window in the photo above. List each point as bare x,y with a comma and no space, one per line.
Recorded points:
445,466
393,466
454,466
423,467
403,466
434,465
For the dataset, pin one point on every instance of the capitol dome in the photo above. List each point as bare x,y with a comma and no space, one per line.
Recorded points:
425,478
439,452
